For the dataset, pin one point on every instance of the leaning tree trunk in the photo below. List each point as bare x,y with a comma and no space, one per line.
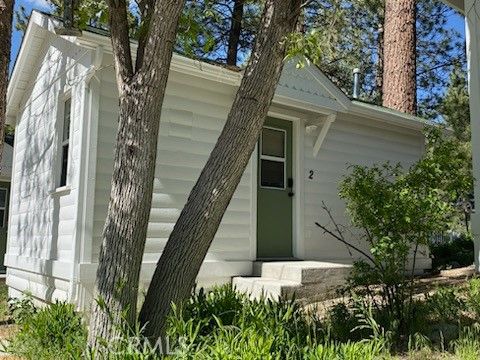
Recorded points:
6,17
399,72
141,95
195,229
235,32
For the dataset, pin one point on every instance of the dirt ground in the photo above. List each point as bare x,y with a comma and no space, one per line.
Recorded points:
425,284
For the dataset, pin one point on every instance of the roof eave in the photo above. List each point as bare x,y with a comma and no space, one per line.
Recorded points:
388,116
39,25
458,5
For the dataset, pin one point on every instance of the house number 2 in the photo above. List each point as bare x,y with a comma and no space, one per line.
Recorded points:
311,173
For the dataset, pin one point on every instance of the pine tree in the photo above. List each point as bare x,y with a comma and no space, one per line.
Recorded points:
454,106
6,16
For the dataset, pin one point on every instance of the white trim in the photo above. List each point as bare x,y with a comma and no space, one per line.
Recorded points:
472,25
329,87
388,116
84,95
61,191
456,4
253,205
65,95
89,173
210,269
298,246
323,133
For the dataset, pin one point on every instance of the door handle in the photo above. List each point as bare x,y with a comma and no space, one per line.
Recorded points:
290,186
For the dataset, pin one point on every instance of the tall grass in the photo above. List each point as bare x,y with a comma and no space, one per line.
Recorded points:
223,324
51,333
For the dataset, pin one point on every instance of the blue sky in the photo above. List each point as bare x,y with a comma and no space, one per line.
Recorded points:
17,35
455,21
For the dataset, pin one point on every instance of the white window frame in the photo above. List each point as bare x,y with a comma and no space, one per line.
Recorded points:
4,208
275,159
67,96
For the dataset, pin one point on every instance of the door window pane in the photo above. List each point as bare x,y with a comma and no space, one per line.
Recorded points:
272,174
273,142
3,197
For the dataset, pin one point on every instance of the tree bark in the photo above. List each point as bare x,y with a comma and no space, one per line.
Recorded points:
195,229
6,18
141,95
399,73
235,32
380,63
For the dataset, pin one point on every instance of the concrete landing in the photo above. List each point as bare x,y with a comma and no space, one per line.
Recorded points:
308,281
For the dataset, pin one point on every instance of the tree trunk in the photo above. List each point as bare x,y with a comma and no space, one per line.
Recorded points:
141,95
399,73
195,229
380,62
6,17
235,31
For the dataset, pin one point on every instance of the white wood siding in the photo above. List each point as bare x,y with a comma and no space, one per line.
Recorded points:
42,224
351,140
192,118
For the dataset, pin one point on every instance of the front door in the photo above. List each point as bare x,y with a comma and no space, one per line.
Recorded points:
275,190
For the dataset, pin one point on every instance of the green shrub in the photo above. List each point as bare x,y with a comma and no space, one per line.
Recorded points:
445,305
343,324
365,350
223,304
399,210
280,328
473,297
22,308
467,347
53,332
455,252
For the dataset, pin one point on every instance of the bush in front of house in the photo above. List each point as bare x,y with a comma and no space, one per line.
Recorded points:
54,332
223,324
452,253
222,319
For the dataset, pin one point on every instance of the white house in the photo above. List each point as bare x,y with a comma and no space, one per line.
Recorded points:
63,101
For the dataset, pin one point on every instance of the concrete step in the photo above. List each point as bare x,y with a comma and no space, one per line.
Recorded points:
273,289
304,272
308,281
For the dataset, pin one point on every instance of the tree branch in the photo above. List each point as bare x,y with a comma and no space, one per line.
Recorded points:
120,43
159,31
146,10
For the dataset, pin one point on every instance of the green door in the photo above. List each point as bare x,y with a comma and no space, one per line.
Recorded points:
275,190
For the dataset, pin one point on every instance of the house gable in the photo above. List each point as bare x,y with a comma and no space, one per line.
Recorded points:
309,85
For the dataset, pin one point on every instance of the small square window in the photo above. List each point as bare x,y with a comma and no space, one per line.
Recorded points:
273,142
273,174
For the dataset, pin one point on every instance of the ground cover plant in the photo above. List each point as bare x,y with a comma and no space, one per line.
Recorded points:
224,324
